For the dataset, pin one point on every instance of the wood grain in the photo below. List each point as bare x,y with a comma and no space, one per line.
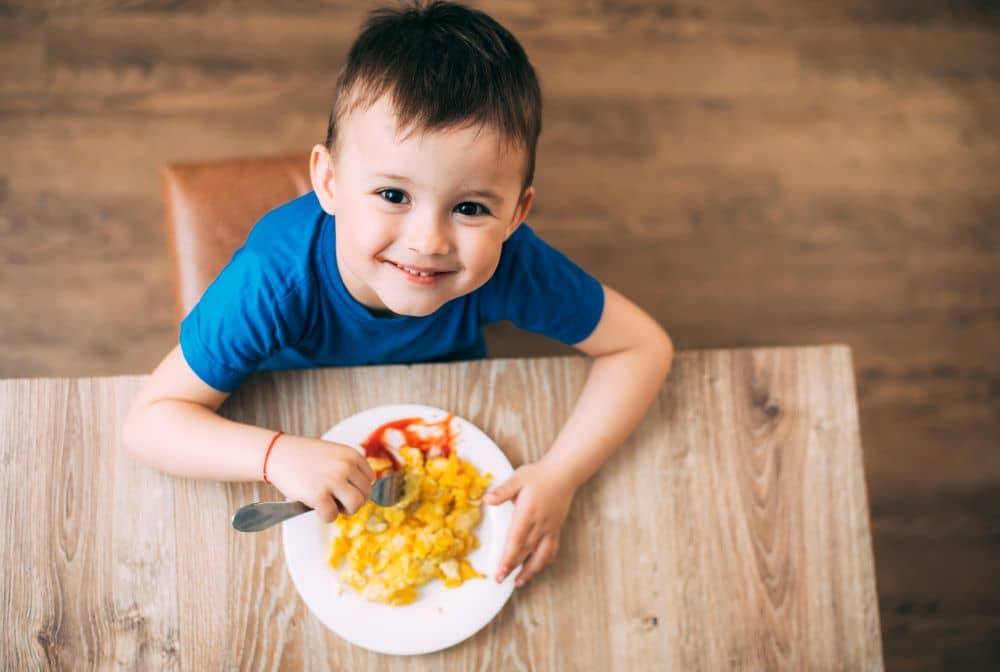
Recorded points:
730,532
752,173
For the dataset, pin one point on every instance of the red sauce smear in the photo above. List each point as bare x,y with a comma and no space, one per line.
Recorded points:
375,445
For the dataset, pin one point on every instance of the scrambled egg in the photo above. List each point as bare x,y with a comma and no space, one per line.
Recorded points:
392,551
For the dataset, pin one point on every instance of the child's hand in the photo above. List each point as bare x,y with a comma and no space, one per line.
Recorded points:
317,472
542,501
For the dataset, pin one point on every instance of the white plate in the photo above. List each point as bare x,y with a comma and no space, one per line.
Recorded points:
440,617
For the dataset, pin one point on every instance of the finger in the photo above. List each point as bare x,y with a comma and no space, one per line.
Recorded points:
366,469
535,538
505,491
514,551
351,499
528,547
325,508
539,558
361,482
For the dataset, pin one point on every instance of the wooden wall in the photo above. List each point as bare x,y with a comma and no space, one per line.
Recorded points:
751,172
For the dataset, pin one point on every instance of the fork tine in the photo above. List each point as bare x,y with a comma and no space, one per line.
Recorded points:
387,490
398,483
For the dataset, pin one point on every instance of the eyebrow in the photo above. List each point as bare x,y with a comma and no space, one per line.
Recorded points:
484,194
394,178
480,193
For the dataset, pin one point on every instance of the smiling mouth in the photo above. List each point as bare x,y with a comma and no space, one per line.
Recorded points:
416,271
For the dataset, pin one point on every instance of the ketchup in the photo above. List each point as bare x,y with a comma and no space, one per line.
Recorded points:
374,445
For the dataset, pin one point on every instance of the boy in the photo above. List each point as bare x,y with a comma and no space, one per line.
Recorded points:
411,240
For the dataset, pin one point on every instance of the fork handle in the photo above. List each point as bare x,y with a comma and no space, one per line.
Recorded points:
262,515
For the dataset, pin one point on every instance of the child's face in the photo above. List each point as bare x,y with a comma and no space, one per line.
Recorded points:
438,203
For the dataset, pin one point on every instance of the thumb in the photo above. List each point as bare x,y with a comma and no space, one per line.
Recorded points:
505,491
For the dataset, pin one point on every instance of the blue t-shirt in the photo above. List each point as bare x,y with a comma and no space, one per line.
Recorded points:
280,303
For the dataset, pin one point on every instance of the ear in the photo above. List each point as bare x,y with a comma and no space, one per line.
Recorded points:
520,212
321,174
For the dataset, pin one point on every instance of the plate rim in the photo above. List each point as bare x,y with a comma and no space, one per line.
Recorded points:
505,510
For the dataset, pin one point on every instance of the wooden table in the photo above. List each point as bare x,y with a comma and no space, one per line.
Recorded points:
730,533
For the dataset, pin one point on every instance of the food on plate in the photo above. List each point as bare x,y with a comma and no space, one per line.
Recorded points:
391,551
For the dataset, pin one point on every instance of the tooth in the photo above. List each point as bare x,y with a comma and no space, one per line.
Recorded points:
422,274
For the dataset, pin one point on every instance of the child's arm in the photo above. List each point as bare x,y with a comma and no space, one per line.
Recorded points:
173,426
632,356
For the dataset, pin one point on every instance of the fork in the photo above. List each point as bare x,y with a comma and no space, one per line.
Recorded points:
258,516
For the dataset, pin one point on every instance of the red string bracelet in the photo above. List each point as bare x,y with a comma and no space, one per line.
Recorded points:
268,454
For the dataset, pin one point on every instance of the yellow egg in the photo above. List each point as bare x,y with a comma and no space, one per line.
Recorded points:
391,552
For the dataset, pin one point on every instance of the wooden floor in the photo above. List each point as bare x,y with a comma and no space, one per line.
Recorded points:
752,173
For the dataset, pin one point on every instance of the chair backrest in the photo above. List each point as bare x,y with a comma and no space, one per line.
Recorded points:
210,208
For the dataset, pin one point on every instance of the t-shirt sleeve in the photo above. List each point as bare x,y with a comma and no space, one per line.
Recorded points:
540,289
248,313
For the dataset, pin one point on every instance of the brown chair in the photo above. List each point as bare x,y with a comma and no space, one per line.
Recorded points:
210,208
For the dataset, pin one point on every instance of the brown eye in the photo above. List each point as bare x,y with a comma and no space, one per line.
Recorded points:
394,196
470,209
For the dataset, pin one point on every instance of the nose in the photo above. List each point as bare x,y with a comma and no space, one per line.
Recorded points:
427,234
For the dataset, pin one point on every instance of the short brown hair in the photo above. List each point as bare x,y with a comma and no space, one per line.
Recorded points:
442,65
